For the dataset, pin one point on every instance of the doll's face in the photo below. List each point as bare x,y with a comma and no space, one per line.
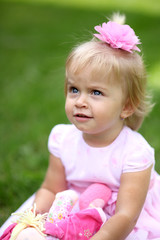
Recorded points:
94,105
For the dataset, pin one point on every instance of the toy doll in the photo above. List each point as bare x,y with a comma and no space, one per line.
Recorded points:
61,222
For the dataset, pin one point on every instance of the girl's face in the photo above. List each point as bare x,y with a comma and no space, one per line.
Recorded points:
94,106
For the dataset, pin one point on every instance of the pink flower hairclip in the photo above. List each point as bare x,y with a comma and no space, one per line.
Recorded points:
118,36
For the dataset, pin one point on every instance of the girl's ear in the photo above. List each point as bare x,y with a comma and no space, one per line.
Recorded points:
127,110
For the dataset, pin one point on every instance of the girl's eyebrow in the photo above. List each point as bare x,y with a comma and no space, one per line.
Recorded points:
70,82
98,87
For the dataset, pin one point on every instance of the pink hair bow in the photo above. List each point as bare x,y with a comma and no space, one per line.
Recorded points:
118,36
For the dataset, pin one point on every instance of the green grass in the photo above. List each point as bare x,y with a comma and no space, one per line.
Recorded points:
35,39
147,6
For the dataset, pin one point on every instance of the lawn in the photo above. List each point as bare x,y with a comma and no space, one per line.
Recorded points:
35,38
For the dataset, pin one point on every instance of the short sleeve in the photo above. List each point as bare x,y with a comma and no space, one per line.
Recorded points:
139,160
55,139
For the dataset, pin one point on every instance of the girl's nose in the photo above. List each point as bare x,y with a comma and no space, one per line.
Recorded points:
81,101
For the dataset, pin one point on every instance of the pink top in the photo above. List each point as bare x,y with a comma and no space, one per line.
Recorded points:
84,165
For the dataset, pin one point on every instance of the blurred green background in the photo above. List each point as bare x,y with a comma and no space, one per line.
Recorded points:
35,39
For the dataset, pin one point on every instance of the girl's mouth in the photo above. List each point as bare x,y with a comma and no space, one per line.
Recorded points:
82,117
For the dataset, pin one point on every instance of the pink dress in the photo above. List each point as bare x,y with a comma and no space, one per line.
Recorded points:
84,165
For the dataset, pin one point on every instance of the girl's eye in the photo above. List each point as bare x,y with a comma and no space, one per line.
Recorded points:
96,92
73,90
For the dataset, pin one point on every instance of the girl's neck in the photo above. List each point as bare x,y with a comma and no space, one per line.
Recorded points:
101,140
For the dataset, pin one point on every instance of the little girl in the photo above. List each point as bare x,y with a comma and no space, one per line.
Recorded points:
106,102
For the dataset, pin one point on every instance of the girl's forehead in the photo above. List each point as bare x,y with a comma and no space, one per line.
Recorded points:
84,73
92,75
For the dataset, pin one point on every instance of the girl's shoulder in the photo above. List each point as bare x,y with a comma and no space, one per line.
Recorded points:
138,154
59,135
61,131
134,139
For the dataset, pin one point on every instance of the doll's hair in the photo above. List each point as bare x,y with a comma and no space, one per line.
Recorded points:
118,67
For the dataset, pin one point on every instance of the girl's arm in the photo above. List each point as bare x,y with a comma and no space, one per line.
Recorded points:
54,182
131,197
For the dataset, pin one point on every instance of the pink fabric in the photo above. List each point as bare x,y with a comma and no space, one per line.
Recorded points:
97,194
85,165
80,226
7,233
62,206
118,36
